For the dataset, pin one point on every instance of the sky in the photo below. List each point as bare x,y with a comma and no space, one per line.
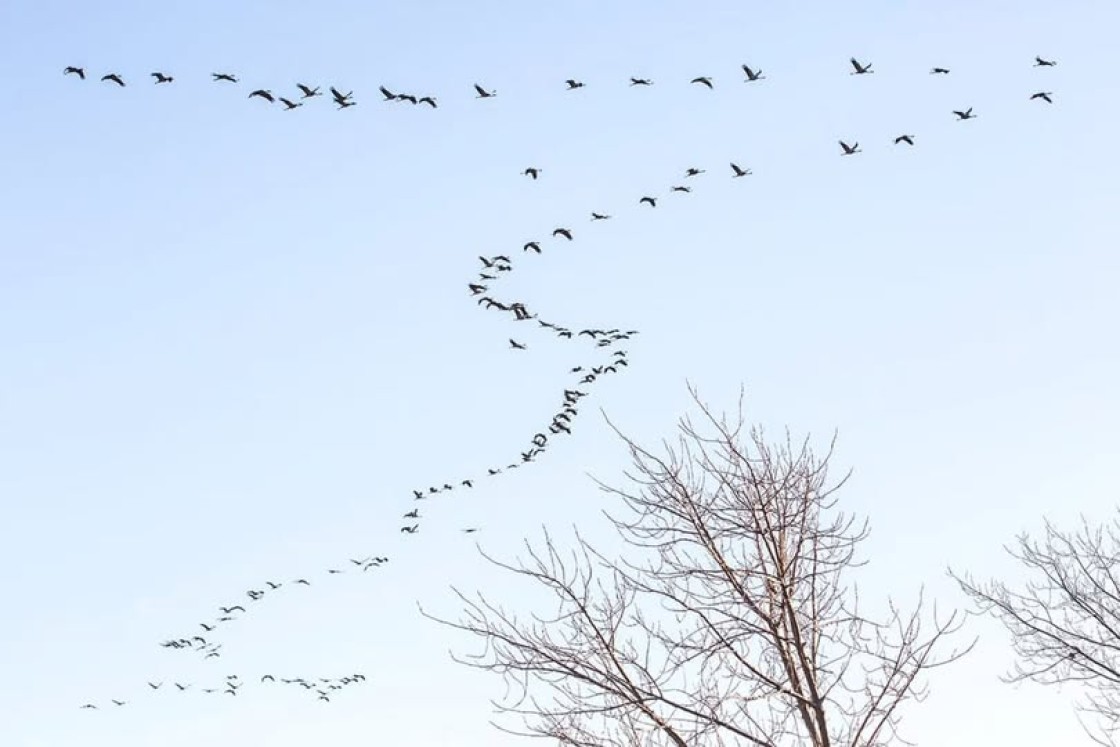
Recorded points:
235,339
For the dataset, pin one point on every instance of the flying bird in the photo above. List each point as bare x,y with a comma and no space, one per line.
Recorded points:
693,172
739,171
517,345
703,80
308,91
113,78
224,76
573,84
680,189
599,216
411,530
651,201
860,69
389,95
429,100
563,232
263,94
753,75
849,149
532,171
534,246
908,139
1044,95
939,71
161,78
483,93
641,82
1039,62
966,114
289,105
80,72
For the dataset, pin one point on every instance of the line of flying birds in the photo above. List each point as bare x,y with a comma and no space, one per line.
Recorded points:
346,100
492,270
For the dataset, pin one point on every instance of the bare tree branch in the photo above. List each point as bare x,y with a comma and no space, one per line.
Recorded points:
1065,622
728,620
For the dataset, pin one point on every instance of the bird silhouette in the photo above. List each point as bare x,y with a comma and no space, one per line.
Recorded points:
563,232
599,216
532,171
753,75
71,70
693,172
224,77
483,93
534,246
737,172
1039,62
263,94
641,82
849,149
651,201
1044,96
289,104
113,78
307,91
908,139
704,81
161,78
573,84
939,71
966,114
517,345
860,69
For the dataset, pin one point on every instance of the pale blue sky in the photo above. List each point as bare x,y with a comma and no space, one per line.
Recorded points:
235,339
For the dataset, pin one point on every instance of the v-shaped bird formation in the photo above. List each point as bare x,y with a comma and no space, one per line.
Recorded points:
203,639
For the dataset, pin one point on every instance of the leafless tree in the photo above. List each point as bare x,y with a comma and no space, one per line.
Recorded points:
727,620
1065,621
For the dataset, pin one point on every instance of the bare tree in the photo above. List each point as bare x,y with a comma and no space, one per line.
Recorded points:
1065,622
728,620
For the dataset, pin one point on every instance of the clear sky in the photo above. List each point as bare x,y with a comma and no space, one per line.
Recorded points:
235,339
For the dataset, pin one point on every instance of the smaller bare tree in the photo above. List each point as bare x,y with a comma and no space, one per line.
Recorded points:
1065,620
727,622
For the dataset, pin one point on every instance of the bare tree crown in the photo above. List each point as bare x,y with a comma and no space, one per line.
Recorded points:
727,621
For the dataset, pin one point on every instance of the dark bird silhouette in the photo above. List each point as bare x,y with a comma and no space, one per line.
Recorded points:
71,70
1039,62
753,75
224,76
476,288
89,705
231,610
263,94
693,172
573,84
206,627
342,100
704,81
651,201
467,483
599,216
155,685
289,104
849,149
429,100
939,71
1044,95
534,246
470,530
120,702
308,91
181,687
966,114
411,530
908,139
268,677
303,581
406,97
860,69
641,82
483,93
563,232
517,345
680,189
161,78
737,171
413,514
113,78
532,171
389,95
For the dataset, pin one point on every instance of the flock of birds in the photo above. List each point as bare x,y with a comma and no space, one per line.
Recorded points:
483,288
